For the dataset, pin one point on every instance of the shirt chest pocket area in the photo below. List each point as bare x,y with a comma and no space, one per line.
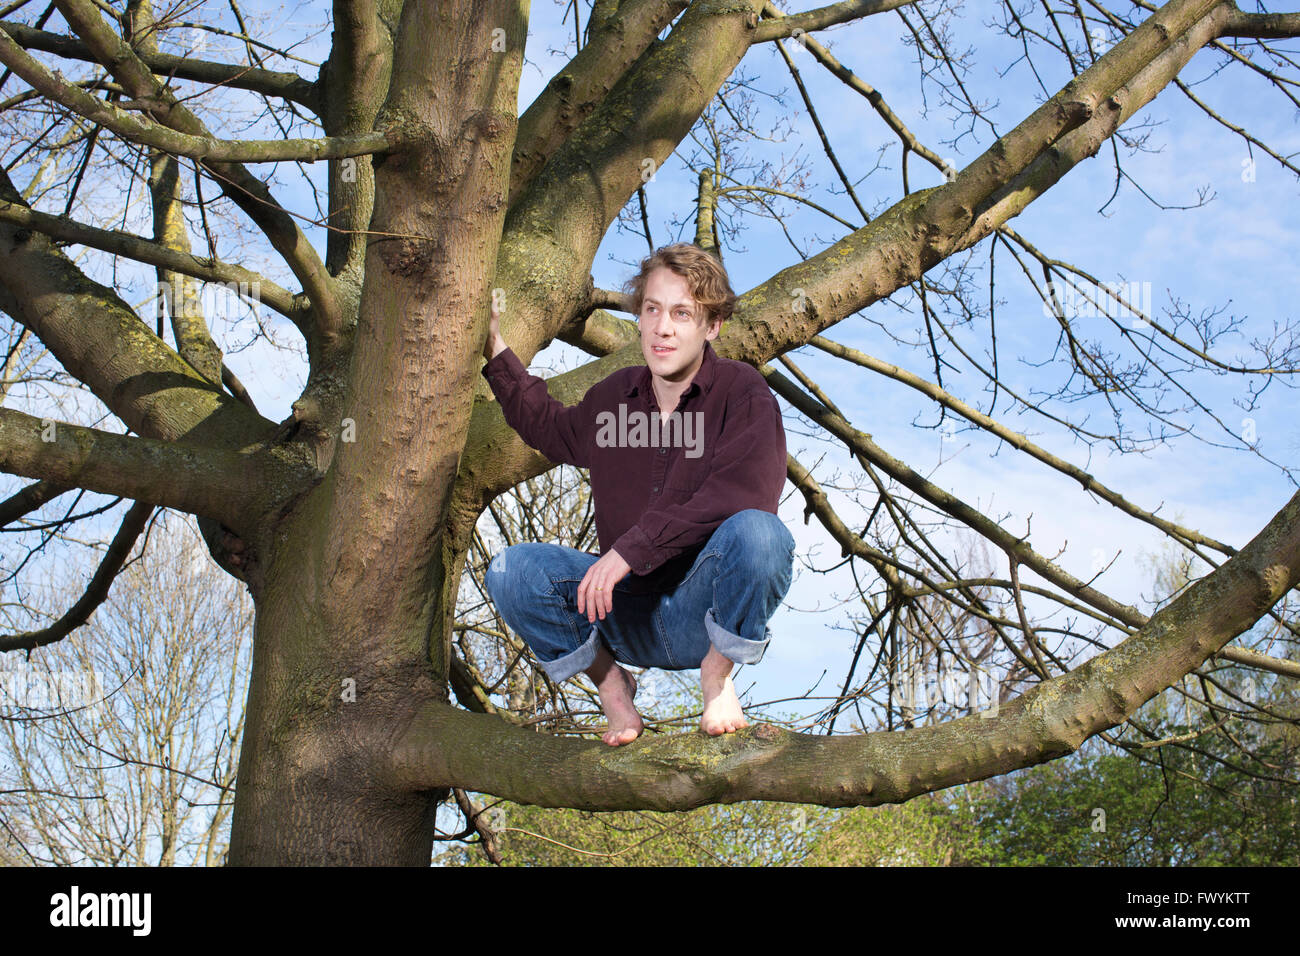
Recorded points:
686,474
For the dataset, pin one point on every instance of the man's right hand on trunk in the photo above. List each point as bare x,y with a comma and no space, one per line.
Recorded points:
494,344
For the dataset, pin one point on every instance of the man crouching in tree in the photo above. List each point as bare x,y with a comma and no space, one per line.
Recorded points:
687,459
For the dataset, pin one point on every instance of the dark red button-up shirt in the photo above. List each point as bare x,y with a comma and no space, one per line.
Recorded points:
658,496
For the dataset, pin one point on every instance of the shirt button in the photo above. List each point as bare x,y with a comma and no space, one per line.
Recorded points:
655,488
646,566
663,451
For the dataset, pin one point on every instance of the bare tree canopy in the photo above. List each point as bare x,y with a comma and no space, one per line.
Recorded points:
380,198
122,747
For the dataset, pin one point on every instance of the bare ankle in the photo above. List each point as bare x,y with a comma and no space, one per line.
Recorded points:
715,668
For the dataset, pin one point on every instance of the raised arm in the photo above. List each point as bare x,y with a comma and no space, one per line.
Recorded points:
558,431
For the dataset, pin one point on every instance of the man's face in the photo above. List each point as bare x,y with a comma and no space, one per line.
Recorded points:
673,327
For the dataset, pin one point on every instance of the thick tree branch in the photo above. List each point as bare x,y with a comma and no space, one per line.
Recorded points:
100,341
571,95
289,86
706,203
443,746
355,81
601,333
556,225
180,295
1262,25
186,477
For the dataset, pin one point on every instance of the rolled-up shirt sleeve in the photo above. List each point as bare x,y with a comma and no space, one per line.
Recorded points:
560,432
747,471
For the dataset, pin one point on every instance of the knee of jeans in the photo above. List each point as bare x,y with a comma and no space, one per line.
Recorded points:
763,536
499,569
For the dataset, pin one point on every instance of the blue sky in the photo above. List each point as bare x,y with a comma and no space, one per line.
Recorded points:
1236,251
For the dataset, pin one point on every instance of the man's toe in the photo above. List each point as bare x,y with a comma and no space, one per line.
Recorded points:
616,738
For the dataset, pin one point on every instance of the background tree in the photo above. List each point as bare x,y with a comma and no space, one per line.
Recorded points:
353,518
119,745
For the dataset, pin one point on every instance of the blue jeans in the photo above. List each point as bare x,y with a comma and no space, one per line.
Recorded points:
726,599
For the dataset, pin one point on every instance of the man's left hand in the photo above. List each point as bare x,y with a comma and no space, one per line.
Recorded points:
596,592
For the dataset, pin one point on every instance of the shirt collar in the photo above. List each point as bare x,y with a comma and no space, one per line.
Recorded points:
702,381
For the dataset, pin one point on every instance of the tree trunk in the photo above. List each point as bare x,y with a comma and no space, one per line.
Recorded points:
333,679
357,587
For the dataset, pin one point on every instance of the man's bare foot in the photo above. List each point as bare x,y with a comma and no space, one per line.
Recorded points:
616,688
722,711
625,724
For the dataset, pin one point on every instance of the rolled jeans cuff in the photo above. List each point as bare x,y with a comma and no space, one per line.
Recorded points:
574,662
732,646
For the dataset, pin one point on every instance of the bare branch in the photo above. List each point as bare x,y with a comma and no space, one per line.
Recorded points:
1249,658
244,189
96,591
289,86
155,254
137,129
797,24
821,131
861,443
877,101
1019,441
30,498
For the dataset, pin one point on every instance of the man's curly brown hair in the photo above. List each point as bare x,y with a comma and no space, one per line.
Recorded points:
703,273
